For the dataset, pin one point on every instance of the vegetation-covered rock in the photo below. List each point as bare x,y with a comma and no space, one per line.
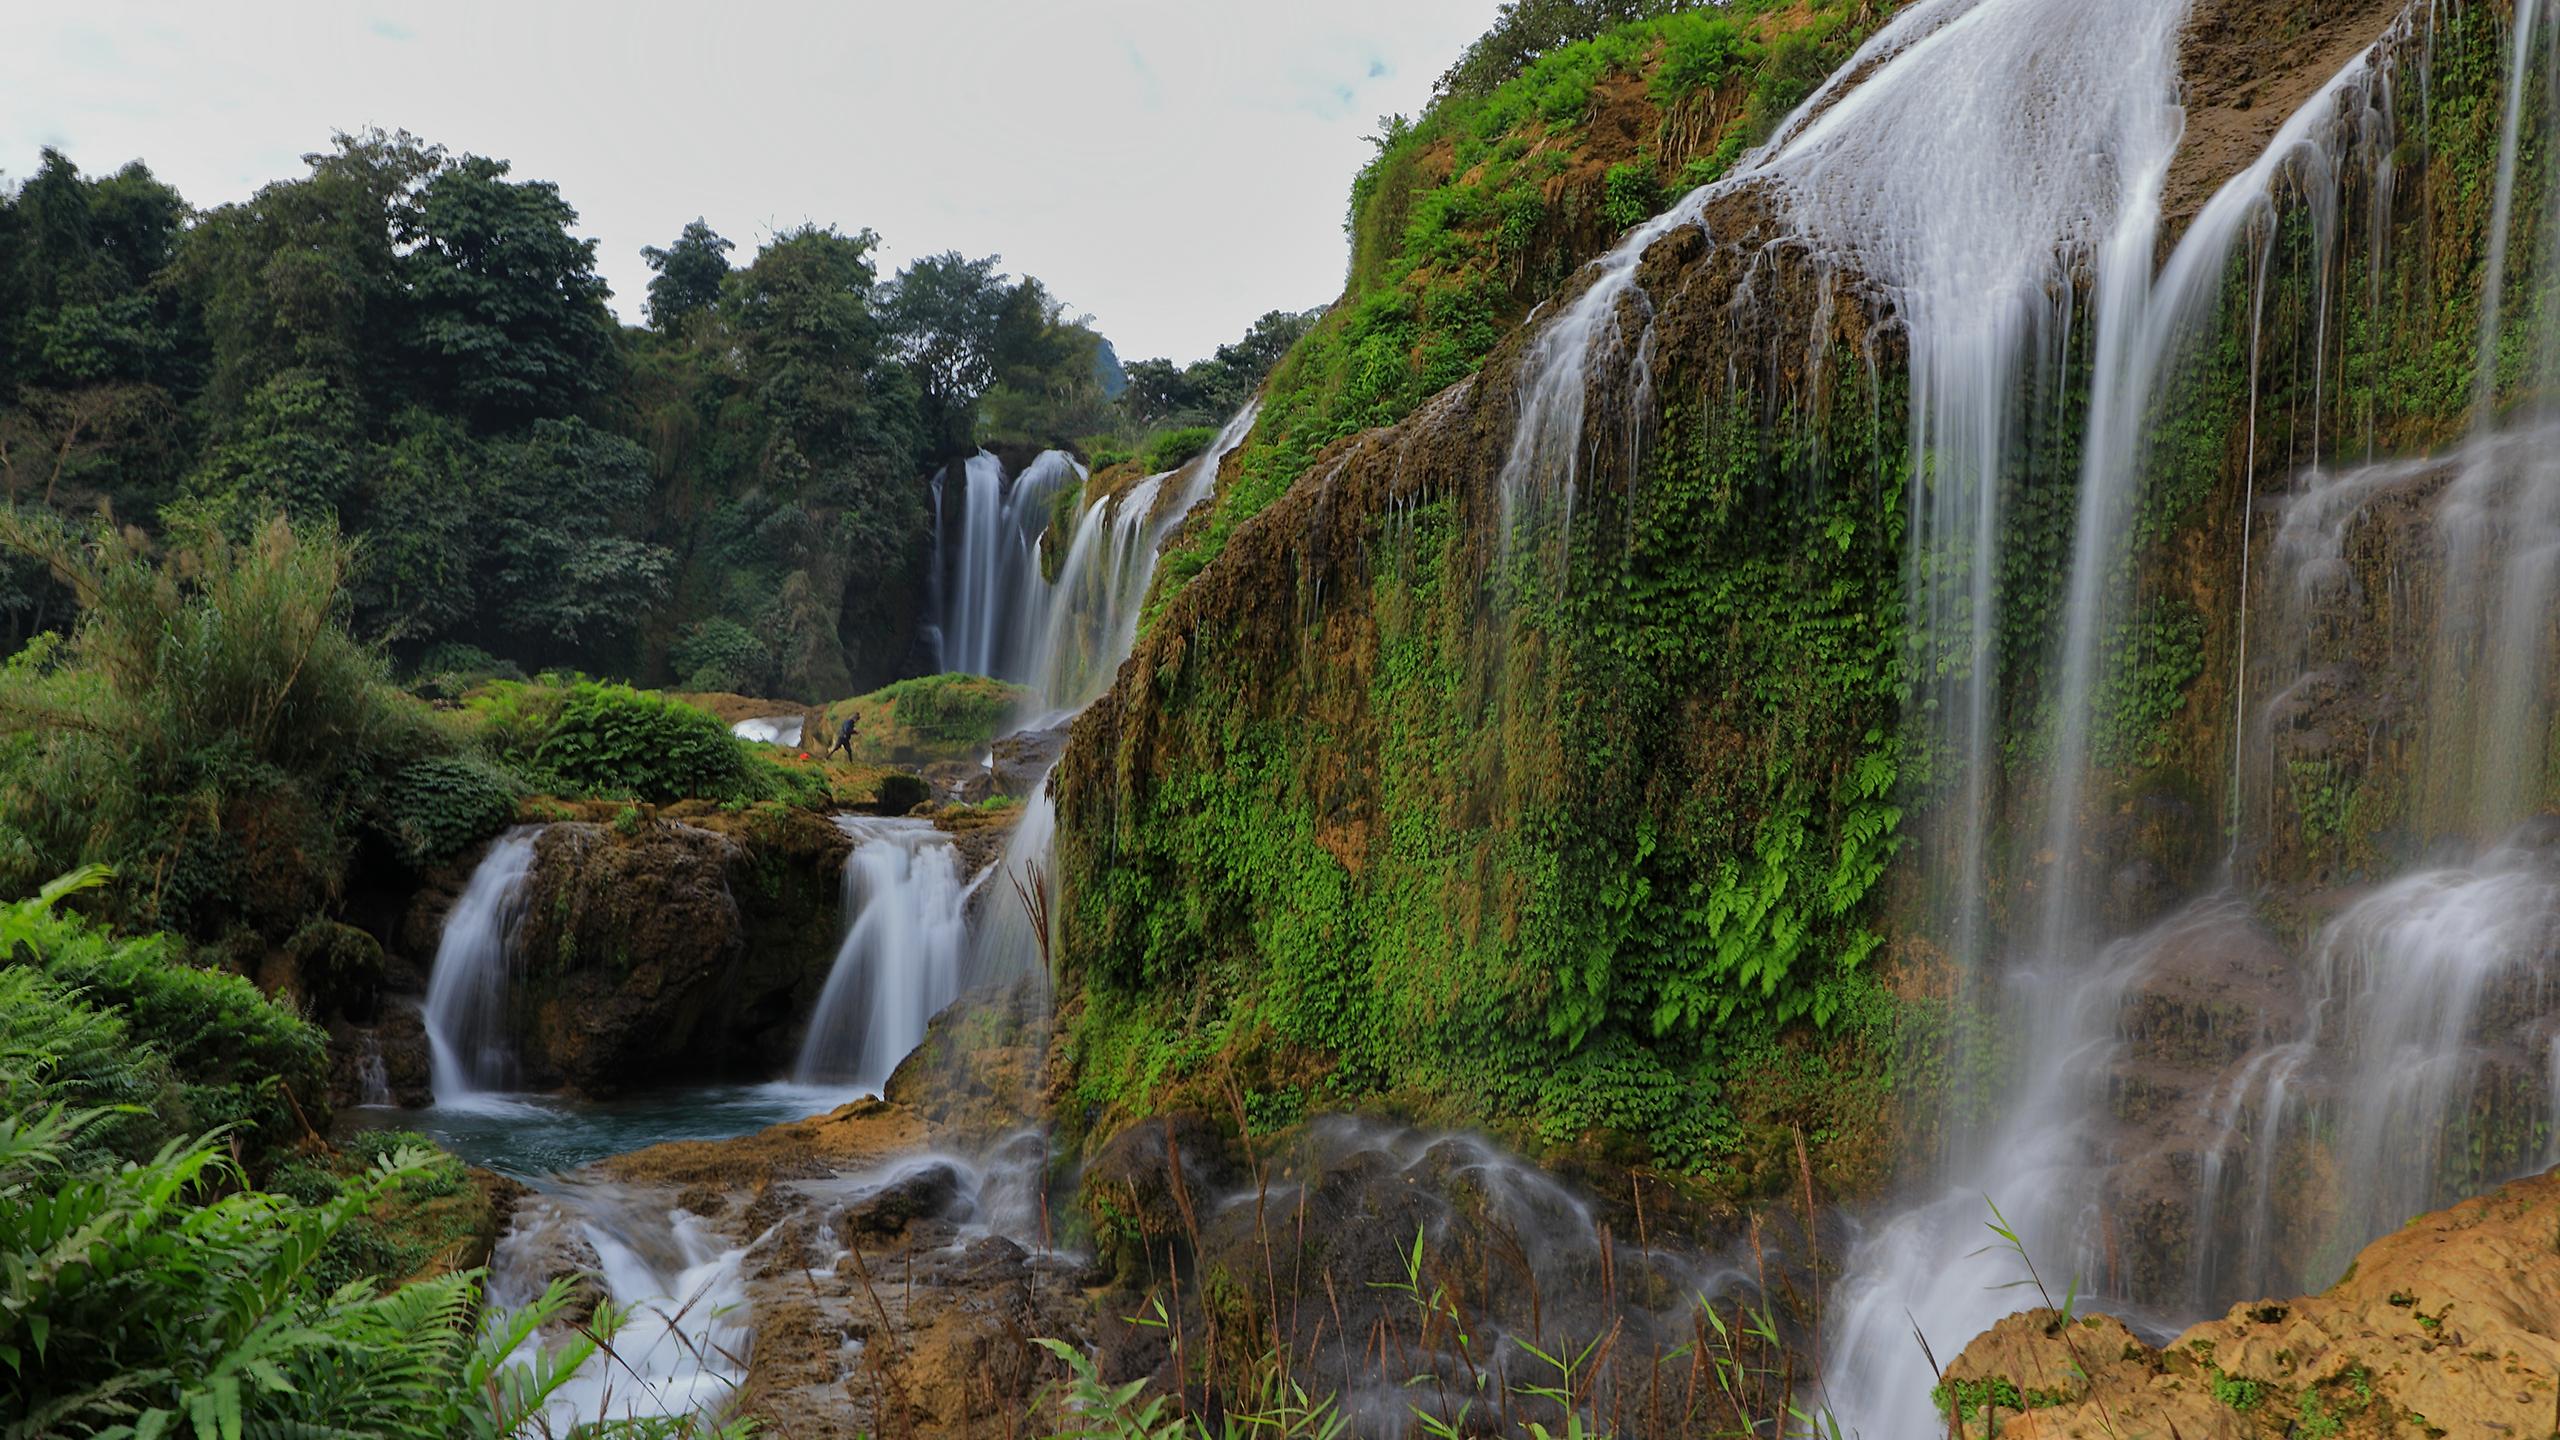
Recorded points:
2448,1326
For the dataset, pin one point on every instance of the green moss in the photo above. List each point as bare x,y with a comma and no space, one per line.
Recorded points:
1606,895
1447,256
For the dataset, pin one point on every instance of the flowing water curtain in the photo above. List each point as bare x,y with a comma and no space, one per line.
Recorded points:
470,1042
899,964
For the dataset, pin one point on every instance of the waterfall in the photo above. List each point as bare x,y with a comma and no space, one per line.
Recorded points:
909,948
685,1338
468,1044
1086,623
899,962
987,558
2045,1159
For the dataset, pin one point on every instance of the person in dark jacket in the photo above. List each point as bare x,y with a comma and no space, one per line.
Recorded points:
844,738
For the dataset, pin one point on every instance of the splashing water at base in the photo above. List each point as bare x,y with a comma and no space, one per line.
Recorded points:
683,1344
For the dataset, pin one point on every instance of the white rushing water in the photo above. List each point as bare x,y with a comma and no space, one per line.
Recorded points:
900,961
469,1046
771,729
987,528
683,1343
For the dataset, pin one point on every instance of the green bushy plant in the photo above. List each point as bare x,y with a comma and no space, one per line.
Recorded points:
952,708
211,727
612,739
449,669
162,1298
720,654
1631,193
1171,449
443,805
235,1051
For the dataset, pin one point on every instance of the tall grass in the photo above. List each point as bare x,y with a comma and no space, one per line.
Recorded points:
210,726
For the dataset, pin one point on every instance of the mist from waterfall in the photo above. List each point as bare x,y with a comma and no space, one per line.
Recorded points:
470,1047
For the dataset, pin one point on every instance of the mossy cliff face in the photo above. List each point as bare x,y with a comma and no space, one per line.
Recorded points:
1593,833
1581,832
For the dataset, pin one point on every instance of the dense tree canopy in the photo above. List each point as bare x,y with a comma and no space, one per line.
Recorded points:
412,345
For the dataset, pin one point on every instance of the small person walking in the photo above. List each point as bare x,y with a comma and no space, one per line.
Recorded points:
844,738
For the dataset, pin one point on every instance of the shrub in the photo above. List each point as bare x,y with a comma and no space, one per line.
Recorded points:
451,669
226,1039
720,654
1101,452
1633,195
612,739
951,708
442,806
211,727
1697,50
157,1299
1172,449
900,792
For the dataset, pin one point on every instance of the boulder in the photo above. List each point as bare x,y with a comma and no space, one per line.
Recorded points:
958,782
1021,760
2447,1326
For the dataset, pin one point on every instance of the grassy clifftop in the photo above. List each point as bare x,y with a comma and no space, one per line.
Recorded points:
1472,215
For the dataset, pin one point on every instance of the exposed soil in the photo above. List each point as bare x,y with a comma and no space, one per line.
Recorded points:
2248,66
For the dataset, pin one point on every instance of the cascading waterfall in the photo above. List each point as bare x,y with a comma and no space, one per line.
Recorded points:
685,1339
1088,621
909,947
2424,1002
1982,251
900,959
2044,1159
2069,114
468,1044
987,558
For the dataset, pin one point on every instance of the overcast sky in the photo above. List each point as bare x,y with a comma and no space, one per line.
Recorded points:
1175,167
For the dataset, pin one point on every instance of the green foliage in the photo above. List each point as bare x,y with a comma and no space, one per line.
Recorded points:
1159,392
614,740
720,654
153,1298
235,1052
2149,663
689,275
447,803
1632,195
211,728
1697,52
2241,1395
1171,449
951,708
1625,887
1457,232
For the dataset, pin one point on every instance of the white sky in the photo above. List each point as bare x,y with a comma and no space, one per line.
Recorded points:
1174,168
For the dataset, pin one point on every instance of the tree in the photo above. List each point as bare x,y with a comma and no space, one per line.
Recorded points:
560,570
690,273
511,314
944,312
307,274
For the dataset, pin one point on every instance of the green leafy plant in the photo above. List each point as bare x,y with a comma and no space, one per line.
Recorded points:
612,739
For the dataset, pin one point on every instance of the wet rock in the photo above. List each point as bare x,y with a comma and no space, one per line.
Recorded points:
929,1193
1151,1183
958,782
630,948
2448,1326
863,1133
978,1070
1021,760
